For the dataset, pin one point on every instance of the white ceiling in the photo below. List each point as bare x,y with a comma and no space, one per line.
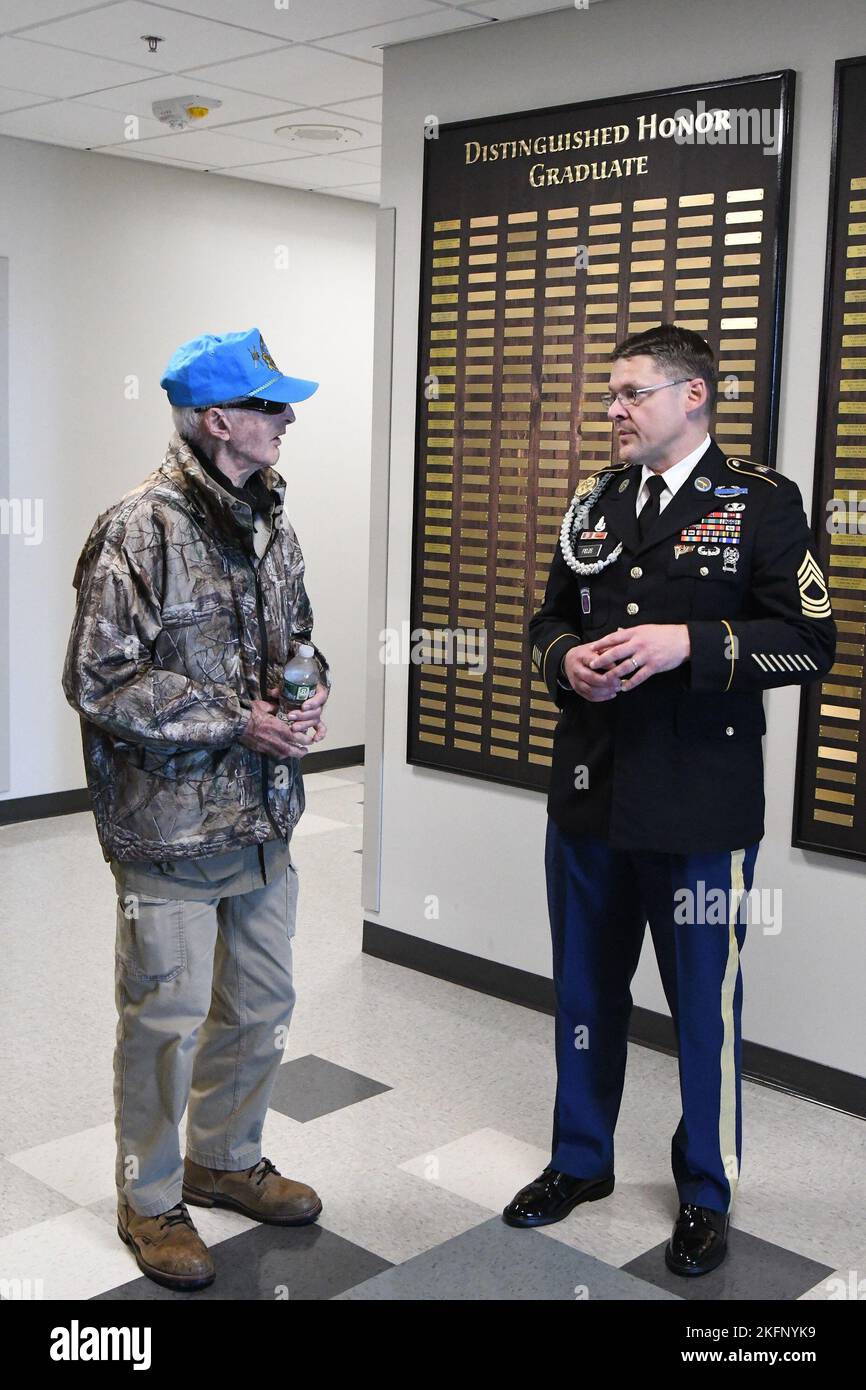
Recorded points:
74,72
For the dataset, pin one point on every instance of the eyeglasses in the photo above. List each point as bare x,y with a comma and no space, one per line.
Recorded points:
246,403
631,395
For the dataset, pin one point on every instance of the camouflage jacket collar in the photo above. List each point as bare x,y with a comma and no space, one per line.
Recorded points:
220,507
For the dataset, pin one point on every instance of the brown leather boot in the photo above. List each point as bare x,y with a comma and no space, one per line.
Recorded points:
167,1248
258,1192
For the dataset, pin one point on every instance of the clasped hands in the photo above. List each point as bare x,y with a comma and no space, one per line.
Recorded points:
624,659
289,735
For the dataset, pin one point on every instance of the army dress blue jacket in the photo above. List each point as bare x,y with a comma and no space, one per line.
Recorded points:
676,765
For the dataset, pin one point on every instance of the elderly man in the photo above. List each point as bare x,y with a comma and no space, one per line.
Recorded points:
191,599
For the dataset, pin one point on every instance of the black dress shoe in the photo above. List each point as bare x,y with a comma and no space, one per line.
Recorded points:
698,1242
552,1196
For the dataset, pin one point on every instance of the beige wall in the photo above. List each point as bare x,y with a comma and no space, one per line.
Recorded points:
112,264
478,846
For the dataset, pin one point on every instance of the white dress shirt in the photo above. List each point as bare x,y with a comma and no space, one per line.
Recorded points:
674,477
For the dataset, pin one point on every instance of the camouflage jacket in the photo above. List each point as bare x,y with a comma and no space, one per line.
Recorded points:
178,628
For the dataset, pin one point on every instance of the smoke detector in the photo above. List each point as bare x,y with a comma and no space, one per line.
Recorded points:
319,137
182,112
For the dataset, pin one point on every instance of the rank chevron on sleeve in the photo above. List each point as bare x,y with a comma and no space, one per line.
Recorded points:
814,598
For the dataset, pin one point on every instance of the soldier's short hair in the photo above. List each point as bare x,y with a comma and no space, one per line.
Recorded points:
677,352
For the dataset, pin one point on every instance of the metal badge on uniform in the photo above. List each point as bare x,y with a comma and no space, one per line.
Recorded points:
729,491
585,602
731,557
709,549
703,484
682,550
588,552
735,506
624,484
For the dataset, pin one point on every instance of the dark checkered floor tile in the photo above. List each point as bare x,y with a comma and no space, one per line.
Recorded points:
753,1269
310,1086
269,1264
496,1262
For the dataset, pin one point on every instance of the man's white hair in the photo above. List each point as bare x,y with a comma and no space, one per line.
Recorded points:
187,422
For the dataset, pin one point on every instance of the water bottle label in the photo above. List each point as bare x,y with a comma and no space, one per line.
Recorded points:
297,694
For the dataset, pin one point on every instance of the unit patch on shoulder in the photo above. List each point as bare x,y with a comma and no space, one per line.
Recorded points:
590,480
814,598
585,485
752,470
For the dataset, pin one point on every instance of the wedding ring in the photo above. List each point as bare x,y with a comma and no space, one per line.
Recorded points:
634,666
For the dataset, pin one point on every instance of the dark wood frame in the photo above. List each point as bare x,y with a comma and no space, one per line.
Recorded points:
810,697
786,78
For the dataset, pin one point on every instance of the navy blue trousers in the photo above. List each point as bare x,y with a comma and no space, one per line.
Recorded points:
600,900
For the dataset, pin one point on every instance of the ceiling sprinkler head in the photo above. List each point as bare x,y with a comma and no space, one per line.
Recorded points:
152,41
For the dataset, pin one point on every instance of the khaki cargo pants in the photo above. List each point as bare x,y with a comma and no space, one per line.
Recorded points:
204,999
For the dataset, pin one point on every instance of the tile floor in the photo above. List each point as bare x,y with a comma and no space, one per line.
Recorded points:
394,1103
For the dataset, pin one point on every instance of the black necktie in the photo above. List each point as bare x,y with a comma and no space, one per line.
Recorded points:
649,512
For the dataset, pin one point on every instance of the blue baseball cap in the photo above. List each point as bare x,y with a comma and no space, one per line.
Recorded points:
213,368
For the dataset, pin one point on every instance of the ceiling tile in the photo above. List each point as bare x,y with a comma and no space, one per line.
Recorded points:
299,20
322,171
519,9
369,131
137,98
10,100
118,127
129,152
116,33
16,14
304,75
368,43
55,72
255,173
368,108
211,149
371,156
66,123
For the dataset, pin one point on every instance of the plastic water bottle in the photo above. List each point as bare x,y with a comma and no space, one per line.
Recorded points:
300,677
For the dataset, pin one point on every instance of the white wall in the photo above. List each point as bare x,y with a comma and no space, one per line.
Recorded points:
479,846
113,263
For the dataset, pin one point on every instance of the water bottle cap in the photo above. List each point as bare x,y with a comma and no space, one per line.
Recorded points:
305,650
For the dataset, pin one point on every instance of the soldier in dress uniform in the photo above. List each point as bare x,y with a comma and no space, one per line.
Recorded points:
683,586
